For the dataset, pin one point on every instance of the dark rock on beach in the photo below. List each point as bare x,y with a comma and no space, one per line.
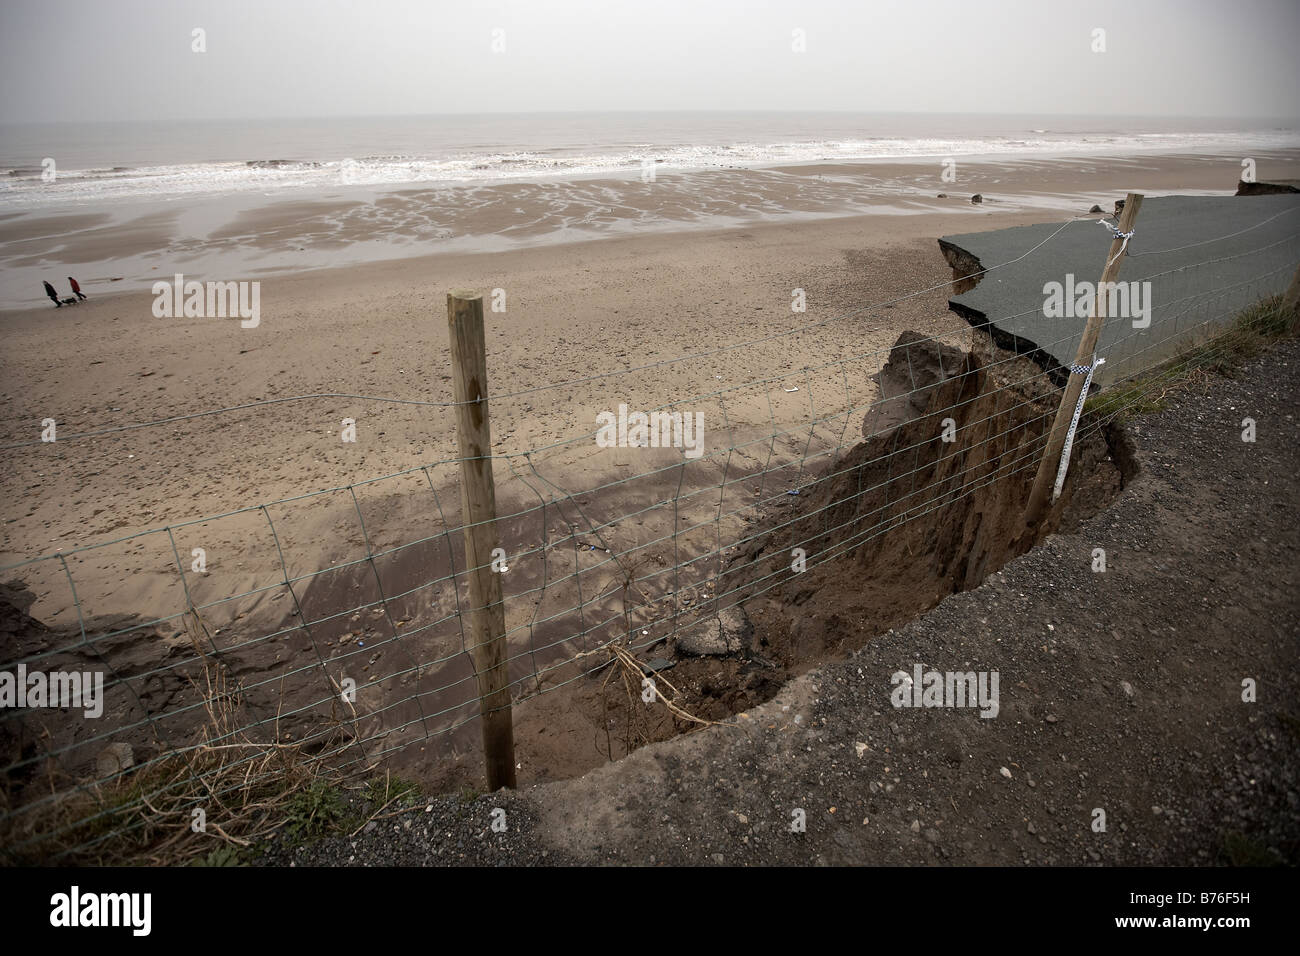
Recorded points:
1268,189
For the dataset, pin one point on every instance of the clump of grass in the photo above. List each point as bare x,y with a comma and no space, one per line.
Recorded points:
381,791
1251,333
383,794
247,790
313,812
1135,397
221,856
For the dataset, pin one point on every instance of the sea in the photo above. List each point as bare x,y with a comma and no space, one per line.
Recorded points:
119,204
44,165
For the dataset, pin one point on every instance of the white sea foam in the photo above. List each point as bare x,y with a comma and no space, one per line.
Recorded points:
23,187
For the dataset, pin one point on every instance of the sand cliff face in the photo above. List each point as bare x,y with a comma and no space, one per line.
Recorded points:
905,518
946,509
908,381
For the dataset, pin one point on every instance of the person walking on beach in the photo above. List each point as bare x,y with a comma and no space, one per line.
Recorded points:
54,296
76,288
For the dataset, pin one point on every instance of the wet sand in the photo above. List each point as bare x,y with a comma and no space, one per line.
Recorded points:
124,246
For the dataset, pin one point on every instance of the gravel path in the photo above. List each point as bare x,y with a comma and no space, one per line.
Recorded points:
1119,691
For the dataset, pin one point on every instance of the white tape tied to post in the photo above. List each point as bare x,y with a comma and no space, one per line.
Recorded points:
1126,236
1064,466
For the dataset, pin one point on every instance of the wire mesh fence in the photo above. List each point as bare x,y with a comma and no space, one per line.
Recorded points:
622,542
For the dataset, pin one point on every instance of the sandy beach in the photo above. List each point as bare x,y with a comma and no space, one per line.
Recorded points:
378,329
656,307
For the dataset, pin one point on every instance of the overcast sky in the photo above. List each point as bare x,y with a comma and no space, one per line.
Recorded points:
131,59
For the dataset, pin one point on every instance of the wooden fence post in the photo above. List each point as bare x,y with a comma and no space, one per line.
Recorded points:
487,624
1046,476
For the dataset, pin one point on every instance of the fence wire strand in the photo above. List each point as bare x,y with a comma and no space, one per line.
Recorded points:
630,563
